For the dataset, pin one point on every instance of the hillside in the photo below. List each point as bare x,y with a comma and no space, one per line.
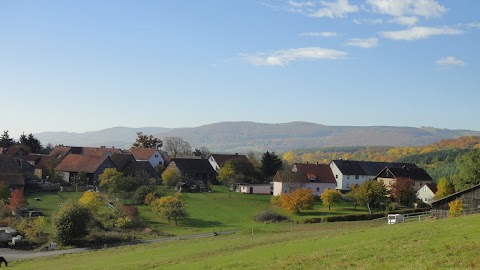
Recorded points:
430,244
250,136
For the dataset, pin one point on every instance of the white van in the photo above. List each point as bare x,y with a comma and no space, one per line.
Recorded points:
395,218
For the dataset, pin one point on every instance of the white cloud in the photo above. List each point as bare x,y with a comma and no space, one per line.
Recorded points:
450,61
405,20
400,8
363,42
415,33
298,4
319,34
368,21
283,57
336,9
473,25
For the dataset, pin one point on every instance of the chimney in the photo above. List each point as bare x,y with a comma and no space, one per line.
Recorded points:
317,163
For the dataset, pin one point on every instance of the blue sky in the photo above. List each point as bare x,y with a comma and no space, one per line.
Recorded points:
87,65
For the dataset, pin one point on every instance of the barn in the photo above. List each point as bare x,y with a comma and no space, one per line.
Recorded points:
470,198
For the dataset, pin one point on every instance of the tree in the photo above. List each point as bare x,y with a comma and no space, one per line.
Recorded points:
290,157
80,179
4,191
30,143
171,176
108,176
147,141
91,200
456,208
403,192
5,140
469,166
70,222
17,201
171,207
270,164
299,199
228,176
176,147
202,152
330,197
444,188
371,193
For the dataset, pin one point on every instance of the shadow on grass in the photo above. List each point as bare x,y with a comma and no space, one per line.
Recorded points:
200,223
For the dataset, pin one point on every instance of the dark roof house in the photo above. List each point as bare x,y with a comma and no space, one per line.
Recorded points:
93,166
194,169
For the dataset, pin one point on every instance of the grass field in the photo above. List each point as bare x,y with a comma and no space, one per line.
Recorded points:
430,244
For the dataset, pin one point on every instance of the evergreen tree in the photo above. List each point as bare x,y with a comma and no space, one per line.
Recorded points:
5,140
271,163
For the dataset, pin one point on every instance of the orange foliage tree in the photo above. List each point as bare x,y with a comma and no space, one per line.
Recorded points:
299,199
17,201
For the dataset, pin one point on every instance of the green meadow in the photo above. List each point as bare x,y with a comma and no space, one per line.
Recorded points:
431,244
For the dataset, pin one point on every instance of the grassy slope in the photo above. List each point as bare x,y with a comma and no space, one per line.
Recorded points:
432,244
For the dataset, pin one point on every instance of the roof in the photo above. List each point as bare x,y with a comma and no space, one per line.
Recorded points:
63,151
221,159
431,186
321,173
12,179
8,165
352,167
141,153
191,165
454,195
81,163
300,177
39,161
60,151
135,167
122,160
405,172
12,150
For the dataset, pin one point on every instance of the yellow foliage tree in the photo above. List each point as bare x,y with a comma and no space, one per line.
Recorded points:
299,199
290,157
444,188
91,200
456,208
330,197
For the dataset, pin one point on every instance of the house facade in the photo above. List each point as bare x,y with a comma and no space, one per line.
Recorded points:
418,176
151,155
92,166
350,172
255,188
317,177
426,192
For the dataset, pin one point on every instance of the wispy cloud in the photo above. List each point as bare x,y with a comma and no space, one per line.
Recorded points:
450,61
329,9
405,20
363,42
318,34
368,21
400,8
283,57
475,25
415,33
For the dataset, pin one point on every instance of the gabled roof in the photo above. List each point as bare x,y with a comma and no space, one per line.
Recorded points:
13,150
221,159
39,161
61,152
321,173
81,163
405,172
431,186
193,165
141,153
299,177
122,160
454,195
8,165
352,167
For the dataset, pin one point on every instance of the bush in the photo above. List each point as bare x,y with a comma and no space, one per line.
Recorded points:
71,222
270,217
141,193
276,200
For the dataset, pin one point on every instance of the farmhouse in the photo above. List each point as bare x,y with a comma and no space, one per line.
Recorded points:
317,177
126,164
42,163
151,155
11,173
350,172
13,151
194,169
92,166
426,192
470,198
218,160
390,174
60,152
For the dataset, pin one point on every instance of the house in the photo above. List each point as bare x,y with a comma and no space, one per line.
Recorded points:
254,188
14,151
11,173
60,152
390,174
317,177
194,169
218,160
350,172
128,165
151,155
470,198
426,192
43,164
6,234
92,166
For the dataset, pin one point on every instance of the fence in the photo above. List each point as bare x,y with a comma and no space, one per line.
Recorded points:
444,213
411,217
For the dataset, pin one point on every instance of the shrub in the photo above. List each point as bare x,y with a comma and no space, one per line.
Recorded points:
276,200
71,222
141,193
456,208
130,210
270,217
150,197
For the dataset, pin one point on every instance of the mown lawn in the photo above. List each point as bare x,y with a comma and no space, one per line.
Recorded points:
431,244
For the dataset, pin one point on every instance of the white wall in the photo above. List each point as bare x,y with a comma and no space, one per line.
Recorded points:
257,189
213,163
344,182
425,194
156,159
317,188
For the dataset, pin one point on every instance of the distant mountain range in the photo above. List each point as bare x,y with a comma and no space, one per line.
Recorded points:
249,136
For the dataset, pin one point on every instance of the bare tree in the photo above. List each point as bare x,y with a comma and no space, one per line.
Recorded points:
177,146
202,152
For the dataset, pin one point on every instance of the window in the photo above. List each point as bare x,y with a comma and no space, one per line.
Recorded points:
156,155
356,176
160,163
318,189
336,176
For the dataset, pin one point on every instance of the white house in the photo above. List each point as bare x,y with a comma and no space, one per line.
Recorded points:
151,155
255,188
418,176
317,177
426,192
349,172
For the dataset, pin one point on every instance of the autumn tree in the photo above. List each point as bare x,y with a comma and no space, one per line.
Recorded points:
456,208
171,207
444,188
177,147
270,164
108,176
290,157
469,166
228,176
371,193
70,222
330,197
171,176
17,201
91,200
403,192
147,141
299,199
